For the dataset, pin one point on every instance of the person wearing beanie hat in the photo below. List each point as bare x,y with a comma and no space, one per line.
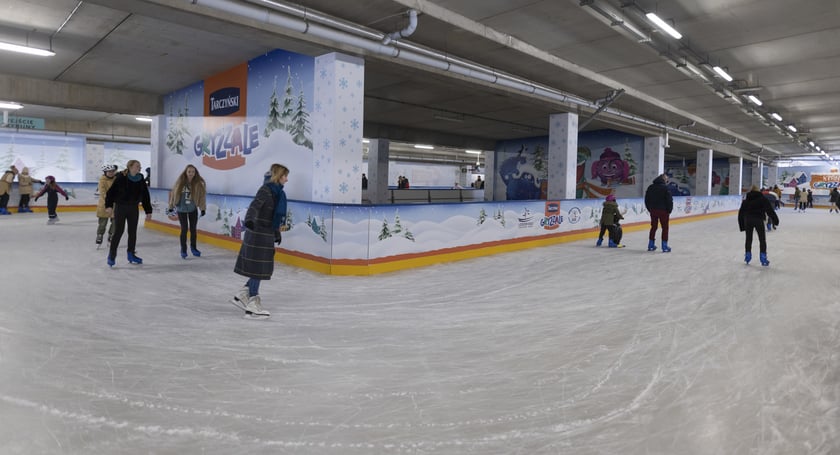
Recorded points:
659,203
610,217
25,189
109,172
5,188
754,208
53,190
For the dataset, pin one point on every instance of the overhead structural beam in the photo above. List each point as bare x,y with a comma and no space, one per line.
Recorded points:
614,95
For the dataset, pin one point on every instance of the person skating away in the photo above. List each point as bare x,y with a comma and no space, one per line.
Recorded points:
796,194
53,190
5,189
187,198
659,203
610,217
833,198
810,199
754,208
264,222
128,190
25,182
803,200
109,173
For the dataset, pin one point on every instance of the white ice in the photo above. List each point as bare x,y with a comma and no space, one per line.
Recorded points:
568,349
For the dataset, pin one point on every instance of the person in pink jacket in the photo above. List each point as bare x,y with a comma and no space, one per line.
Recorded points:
53,190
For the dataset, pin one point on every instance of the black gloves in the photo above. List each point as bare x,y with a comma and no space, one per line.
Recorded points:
36,199
278,237
249,224
66,198
202,213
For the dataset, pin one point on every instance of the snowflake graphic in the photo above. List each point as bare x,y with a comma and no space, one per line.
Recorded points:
342,142
356,168
343,188
317,163
323,74
354,124
326,190
318,106
326,144
343,82
344,109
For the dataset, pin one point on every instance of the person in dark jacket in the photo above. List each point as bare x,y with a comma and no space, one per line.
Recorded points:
128,190
659,204
751,217
264,222
53,190
611,221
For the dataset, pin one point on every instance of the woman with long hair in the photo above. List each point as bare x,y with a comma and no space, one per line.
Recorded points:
128,190
188,200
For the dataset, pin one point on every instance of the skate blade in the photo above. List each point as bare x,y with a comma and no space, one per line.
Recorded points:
255,317
237,303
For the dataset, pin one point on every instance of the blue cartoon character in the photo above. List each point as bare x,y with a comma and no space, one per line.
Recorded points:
610,167
519,185
677,190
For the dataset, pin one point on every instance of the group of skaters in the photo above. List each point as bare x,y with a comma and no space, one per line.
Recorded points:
659,203
25,182
802,199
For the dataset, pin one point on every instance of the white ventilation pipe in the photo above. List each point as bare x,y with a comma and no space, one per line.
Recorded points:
309,22
406,32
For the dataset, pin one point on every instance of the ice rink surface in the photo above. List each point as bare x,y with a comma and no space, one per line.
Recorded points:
568,349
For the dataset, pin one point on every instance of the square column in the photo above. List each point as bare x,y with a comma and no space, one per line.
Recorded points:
772,176
489,174
736,166
703,176
562,156
757,174
378,157
653,163
337,129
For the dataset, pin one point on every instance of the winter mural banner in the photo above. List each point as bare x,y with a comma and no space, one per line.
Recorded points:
233,125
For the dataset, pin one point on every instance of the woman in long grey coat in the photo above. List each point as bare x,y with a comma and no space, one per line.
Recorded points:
264,221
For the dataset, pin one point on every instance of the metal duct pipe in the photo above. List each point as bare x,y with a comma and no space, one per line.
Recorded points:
305,21
406,32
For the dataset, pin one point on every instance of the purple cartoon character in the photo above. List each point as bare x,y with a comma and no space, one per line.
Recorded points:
610,167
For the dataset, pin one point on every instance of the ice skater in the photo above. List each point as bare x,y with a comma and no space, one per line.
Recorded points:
5,189
610,217
754,208
25,182
659,203
109,172
53,190
128,190
264,222
188,198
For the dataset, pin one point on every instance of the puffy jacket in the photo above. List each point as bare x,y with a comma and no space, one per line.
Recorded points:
658,197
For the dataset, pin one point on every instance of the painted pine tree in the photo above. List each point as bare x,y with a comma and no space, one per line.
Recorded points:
482,217
288,102
8,159
273,122
299,127
289,221
323,230
397,225
384,233
178,130
539,162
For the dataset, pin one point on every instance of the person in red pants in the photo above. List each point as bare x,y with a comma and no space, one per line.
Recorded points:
659,204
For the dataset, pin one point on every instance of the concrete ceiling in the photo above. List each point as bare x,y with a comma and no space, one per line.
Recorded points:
115,59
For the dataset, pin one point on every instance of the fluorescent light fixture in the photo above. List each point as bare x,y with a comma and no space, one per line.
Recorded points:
424,147
449,118
811,143
755,100
663,25
10,105
26,49
365,141
473,152
791,127
778,118
817,147
722,73
143,119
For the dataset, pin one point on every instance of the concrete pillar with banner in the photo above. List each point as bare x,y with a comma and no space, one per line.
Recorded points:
653,163
736,166
703,175
378,156
562,156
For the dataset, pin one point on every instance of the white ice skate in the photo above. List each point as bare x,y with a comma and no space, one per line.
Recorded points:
240,299
254,310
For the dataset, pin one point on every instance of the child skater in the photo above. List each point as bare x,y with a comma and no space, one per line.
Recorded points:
610,216
52,189
188,199
751,217
109,171
25,189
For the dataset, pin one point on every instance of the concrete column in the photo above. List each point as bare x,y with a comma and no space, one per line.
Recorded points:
562,156
703,175
653,163
757,173
378,151
338,115
772,176
736,166
489,175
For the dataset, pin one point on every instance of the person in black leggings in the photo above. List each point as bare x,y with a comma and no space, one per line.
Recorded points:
128,190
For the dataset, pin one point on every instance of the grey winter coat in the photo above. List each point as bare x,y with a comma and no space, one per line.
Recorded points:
256,255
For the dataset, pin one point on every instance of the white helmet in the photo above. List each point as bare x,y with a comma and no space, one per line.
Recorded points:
109,167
